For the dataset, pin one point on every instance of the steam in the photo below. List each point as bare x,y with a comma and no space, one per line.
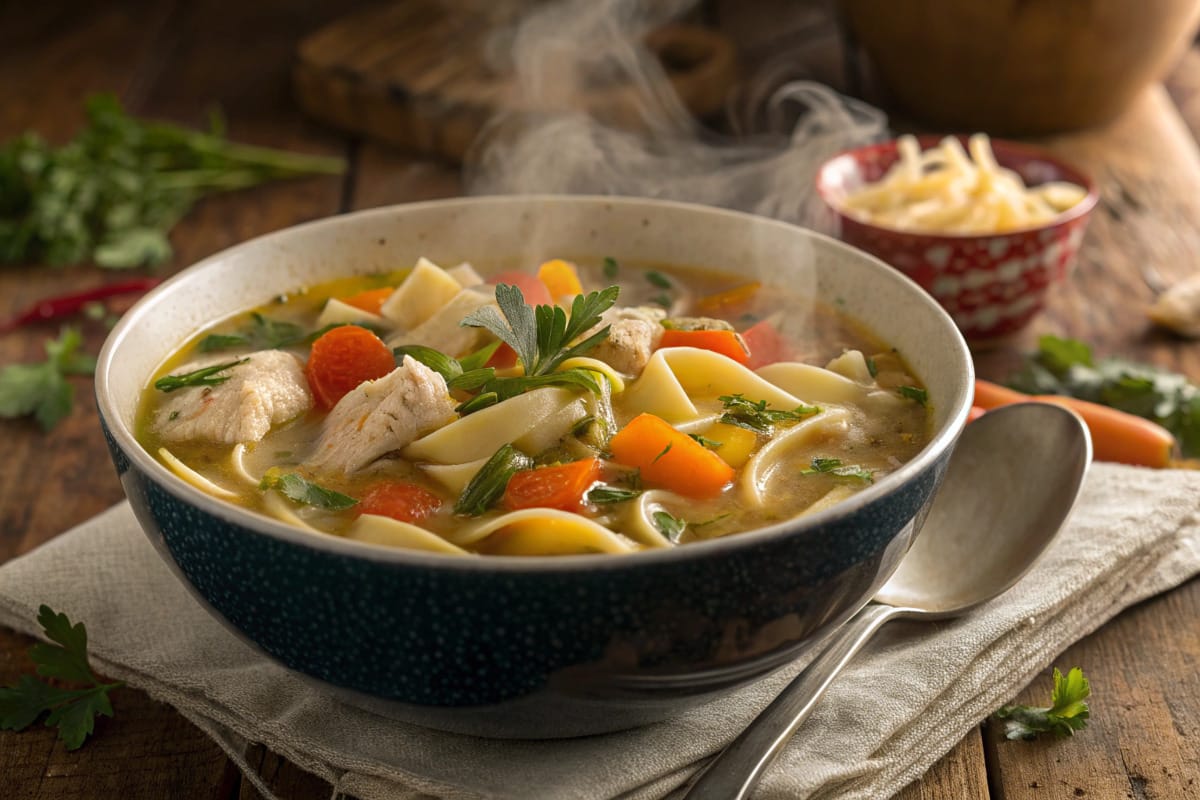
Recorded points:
594,113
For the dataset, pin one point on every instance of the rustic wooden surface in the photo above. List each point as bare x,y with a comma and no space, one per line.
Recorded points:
174,60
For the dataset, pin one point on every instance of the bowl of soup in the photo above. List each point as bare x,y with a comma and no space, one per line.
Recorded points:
534,466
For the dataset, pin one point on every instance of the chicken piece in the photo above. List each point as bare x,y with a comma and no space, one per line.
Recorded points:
269,388
634,334
442,331
381,416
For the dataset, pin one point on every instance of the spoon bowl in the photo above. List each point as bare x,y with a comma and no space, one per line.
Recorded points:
1009,487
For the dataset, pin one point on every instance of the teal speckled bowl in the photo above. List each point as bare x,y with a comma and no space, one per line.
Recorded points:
532,647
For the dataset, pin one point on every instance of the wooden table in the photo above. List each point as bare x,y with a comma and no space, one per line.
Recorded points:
174,60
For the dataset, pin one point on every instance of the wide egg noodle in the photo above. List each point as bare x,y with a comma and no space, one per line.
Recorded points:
275,505
595,365
194,478
676,374
542,531
479,435
639,518
550,430
237,462
814,384
375,529
752,484
454,477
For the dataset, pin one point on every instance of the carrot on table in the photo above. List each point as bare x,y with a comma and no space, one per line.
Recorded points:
560,278
400,500
668,458
371,300
341,359
975,413
727,343
560,486
1116,435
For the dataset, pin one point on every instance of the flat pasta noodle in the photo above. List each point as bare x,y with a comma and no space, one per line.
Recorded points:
454,477
752,483
639,519
572,529
194,478
812,384
375,529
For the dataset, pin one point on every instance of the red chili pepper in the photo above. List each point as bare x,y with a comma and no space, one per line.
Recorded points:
67,304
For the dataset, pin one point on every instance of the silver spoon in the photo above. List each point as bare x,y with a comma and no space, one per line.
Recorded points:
1012,480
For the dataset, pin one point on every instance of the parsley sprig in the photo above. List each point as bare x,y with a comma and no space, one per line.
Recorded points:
72,711
1068,711
42,389
205,376
300,490
834,466
754,415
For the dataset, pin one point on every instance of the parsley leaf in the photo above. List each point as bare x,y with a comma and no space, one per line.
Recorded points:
41,389
604,494
71,711
489,483
755,416
659,280
668,525
711,444
611,268
264,333
834,466
913,393
205,376
449,367
1068,711
297,489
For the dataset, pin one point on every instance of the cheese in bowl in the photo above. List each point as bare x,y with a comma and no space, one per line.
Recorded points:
579,408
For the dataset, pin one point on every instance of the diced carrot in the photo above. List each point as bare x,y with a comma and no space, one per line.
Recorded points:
341,359
535,292
1116,435
406,502
560,486
669,458
767,345
503,358
728,300
371,300
560,278
727,343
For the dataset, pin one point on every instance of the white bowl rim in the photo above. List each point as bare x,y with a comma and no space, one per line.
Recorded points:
155,471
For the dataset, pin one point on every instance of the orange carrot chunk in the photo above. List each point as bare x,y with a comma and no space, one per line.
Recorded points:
560,278
727,343
767,345
560,486
341,359
1116,435
371,300
406,502
670,459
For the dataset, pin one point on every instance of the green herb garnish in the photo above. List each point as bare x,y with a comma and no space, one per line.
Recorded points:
41,389
449,367
206,376
659,280
914,394
834,466
669,526
296,488
604,494
872,367
661,300
72,711
711,444
490,481
755,416
1067,366
114,192
1068,711
611,268
665,450
264,333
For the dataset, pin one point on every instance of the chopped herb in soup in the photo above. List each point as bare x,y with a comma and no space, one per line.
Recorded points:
571,409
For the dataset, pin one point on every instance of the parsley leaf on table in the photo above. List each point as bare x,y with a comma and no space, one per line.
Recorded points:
1068,711
71,711
112,194
42,389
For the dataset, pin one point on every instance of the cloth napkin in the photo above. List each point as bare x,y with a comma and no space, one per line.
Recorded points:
903,703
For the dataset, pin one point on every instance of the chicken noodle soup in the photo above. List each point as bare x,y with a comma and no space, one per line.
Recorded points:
575,408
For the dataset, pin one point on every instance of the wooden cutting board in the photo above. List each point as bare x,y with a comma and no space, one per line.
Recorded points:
413,74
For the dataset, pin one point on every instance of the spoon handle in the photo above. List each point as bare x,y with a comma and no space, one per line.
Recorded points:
736,770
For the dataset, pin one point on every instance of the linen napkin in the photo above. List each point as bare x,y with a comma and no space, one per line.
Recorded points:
903,703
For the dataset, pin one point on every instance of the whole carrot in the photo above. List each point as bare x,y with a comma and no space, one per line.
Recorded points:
1116,435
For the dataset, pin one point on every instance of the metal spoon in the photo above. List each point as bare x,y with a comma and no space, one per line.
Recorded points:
1012,480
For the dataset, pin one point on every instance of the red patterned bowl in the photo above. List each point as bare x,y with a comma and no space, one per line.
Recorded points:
992,284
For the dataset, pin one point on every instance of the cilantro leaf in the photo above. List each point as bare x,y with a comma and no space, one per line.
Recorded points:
914,393
300,490
1068,711
669,526
205,376
754,415
41,390
71,711
604,494
835,467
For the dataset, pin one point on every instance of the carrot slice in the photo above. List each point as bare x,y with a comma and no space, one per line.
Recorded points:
1116,435
406,502
535,292
371,300
766,344
341,359
727,343
503,358
560,278
669,458
560,486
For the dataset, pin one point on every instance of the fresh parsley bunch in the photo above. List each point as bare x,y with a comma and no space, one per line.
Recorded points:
72,711
1068,711
112,194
